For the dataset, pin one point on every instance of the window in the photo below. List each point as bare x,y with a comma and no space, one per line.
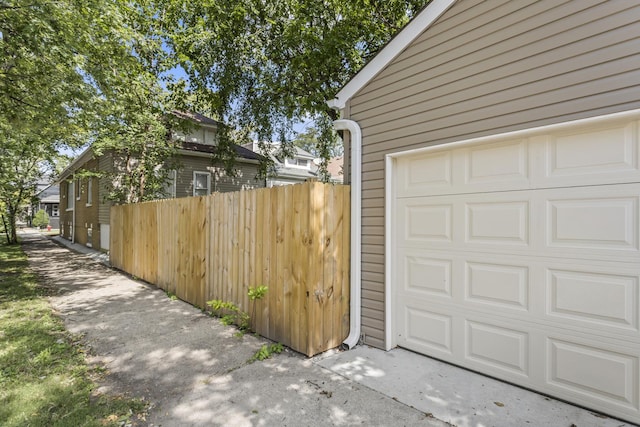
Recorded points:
78,189
89,191
55,210
70,195
201,183
298,163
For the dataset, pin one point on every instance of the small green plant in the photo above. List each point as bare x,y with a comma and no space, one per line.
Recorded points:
267,350
257,293
171,296
230,314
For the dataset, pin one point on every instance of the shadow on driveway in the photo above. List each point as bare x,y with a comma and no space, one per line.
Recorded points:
191,369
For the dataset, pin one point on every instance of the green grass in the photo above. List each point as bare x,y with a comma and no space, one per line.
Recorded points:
44,378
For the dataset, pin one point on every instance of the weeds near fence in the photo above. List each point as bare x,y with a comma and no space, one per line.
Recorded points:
230,314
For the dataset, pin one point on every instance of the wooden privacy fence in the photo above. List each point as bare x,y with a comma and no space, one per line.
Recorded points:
292,239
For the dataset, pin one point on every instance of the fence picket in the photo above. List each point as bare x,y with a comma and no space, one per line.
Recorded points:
292,239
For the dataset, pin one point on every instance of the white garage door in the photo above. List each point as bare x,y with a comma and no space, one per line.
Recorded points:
519,257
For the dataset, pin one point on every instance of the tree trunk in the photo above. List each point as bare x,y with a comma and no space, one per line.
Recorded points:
12,236
6,227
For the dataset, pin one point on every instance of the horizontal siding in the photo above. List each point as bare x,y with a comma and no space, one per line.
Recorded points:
485,68
246,178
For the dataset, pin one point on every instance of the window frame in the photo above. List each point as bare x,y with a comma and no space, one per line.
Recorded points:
194,182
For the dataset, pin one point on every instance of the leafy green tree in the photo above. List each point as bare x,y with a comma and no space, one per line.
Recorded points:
78,72
265,65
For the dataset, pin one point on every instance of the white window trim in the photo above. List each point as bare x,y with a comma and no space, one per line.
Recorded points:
78,188
89,192
195,173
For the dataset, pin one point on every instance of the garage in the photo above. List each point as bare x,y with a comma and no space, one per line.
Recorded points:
518,256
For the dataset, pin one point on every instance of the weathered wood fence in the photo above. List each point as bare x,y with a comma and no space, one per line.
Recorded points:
293,239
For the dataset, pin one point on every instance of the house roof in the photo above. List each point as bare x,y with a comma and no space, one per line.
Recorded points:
197,118
303,154
423,20
83,158
49,194
241,152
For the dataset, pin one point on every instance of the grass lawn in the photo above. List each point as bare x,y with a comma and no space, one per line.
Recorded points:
44,379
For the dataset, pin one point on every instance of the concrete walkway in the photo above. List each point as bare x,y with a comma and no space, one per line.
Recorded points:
193,371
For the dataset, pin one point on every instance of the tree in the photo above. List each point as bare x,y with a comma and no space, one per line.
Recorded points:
22,162
69,72
264,65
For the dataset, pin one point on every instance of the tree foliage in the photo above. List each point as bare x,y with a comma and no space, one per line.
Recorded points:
102,72
72,73
265,65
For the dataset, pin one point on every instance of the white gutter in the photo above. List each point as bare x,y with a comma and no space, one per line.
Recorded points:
356,229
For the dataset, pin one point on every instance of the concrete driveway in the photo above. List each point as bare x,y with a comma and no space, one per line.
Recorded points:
190,368
194,371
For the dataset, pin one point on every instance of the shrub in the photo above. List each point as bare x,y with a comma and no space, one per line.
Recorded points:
41,219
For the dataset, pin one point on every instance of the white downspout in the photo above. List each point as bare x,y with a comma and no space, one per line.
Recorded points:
356,229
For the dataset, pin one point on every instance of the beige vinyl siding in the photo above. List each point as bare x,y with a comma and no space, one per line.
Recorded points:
485,68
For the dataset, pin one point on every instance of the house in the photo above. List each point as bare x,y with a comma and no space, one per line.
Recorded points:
290,170
47,198
334,168
85,216
493,152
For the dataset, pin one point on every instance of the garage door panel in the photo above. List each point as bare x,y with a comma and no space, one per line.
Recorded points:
594,223
594,371
433,170
606,154
428,276
505,163
591,152
498,222
501,286
427,330
428,222
594,298
503,348
603,298
589,222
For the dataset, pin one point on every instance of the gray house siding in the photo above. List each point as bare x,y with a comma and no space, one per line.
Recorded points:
485,68
245,179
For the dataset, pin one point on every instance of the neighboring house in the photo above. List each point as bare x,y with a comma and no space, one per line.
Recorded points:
499,180
287,171
85,212
48,199
334,168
